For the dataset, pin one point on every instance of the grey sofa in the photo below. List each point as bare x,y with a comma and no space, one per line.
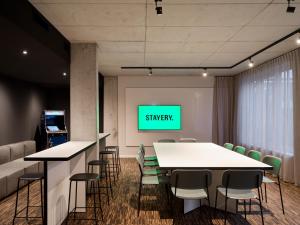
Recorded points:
12,165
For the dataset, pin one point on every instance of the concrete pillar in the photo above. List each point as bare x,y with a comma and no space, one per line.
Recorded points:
84,102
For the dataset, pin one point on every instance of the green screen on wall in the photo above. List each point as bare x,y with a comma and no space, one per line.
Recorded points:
159,117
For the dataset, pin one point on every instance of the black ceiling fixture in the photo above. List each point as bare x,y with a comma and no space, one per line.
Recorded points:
249,58
158,7
290,9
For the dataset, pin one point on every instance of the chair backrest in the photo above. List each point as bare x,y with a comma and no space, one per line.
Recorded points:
240,149
254,155
142,149
273,161
242,179
228,146
167,140
187,140
191,179
140,160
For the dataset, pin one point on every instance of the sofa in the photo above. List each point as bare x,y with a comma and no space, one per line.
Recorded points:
12,165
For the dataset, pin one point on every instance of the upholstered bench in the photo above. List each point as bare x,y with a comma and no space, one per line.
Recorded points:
12,165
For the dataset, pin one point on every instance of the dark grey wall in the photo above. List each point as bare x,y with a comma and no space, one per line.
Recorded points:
21,104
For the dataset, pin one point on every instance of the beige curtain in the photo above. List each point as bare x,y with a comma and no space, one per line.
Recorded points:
295,63
223,110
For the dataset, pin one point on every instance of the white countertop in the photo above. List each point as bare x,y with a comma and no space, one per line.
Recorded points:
62,152
202,155
103,135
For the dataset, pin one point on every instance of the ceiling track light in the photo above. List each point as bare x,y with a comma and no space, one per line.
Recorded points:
250,63
158,7
290,9
204,74
150,72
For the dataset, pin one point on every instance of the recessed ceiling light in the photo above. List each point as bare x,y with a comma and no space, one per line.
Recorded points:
251,63
204,74
64,74
150,72
24,52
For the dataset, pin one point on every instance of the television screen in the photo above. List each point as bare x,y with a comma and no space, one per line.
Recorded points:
159,117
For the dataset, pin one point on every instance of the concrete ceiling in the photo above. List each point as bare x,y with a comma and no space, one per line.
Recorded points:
189,33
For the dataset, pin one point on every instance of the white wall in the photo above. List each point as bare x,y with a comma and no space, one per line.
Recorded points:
188,84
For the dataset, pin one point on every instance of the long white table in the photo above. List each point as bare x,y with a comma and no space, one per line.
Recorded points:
204,156
61,162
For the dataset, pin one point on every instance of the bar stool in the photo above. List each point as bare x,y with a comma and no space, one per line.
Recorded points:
103,173
117,155
29,177
85,177
108,153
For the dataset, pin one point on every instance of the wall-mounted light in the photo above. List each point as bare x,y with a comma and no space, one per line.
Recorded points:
298,39
250,63
24,52
150,72
204,73
158,7
290,9
64,74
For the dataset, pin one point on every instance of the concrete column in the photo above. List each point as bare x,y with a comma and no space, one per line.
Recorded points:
84,102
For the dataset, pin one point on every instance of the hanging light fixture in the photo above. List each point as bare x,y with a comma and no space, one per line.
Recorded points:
158,7
150,72
250,63
204,73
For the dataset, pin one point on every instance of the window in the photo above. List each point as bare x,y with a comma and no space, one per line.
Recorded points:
265,108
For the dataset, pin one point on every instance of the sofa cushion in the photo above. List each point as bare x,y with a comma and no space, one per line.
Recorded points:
4,154
29,147
16,150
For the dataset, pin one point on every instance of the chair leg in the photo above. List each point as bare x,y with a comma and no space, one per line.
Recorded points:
261,212
70,188
261,191
266,193
250,202
17,200
280,195
106,183
139,197
27,200
94,197
99,193
167,192
42,203
109,176
216,199
225,210
75,198
236,206
245,212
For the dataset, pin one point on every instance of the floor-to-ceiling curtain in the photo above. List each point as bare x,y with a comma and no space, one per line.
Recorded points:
223,110
267,111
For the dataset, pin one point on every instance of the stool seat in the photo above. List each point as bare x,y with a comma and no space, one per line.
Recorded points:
108,152
98,162
84,177
32,176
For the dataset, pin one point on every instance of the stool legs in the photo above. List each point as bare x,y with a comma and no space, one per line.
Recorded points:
17,200
27,200
42,201
70,188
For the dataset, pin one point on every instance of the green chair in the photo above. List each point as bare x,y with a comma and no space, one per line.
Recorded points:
150,171
275,162
240,149
238,185
254,155
149,180
147,158
228,146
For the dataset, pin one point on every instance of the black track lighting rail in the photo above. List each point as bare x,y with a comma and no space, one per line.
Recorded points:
217,67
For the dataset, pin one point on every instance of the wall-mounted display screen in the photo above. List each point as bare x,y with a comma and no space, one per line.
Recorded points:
159,117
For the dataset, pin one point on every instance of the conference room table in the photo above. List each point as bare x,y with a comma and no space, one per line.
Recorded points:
210,156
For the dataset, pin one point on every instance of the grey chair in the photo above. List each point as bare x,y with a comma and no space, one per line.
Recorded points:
190,184
149,180
238,185
188,140
166,140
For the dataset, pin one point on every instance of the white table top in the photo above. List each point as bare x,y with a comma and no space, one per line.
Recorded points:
202,155
103,135
62,152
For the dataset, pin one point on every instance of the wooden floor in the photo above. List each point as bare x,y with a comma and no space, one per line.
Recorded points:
155,209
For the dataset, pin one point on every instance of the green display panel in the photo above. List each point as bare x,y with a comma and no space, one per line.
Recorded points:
159,117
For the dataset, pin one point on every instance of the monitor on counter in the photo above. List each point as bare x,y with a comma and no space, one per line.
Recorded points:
159,117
